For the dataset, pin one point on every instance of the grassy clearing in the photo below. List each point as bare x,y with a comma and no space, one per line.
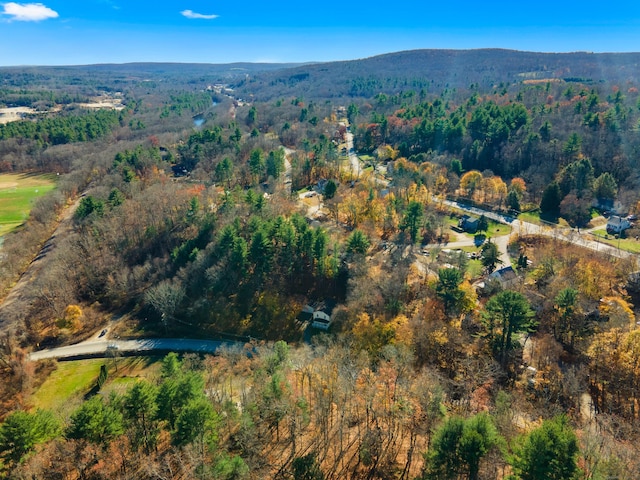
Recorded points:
17,193
495,229
627,244
71,381
531,217
475,268
536,218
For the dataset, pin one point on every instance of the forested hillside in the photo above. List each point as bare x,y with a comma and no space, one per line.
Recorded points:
247,207
436,70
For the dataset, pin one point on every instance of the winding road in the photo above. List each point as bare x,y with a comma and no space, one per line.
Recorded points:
109,348
356,167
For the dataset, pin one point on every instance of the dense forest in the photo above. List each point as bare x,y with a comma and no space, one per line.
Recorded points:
221,203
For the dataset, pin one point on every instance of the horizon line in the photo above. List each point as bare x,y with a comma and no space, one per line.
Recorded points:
308,62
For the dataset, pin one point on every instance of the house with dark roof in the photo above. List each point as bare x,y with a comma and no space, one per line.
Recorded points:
468,223
506,276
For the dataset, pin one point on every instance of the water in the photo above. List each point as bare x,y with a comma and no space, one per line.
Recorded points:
199,119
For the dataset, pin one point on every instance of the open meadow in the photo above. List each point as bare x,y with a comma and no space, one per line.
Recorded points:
17,194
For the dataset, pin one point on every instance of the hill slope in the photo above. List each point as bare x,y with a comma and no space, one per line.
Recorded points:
439,69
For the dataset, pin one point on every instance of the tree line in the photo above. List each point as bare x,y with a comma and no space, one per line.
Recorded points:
64,129
287,416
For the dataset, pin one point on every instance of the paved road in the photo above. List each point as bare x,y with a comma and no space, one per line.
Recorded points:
356,167
565,234
287,168
107,348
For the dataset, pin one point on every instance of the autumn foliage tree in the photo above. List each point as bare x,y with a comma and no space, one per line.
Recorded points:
471,182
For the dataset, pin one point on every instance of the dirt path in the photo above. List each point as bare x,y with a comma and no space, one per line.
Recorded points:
14,306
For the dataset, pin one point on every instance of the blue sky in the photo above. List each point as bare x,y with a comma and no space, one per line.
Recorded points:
71,32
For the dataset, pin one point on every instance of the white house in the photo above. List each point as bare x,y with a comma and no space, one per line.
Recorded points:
617,224
323,315
321,321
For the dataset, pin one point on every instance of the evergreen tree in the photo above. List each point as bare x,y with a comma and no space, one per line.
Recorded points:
174,393
139,410
197,422
483,224
605,187
551,198
456,167
96,422
252,116
22,431
506,314
257,163
490,256
513,200
275,163
550,452
458,447
307,468
330,189
224,170
448,288
413,219
357,242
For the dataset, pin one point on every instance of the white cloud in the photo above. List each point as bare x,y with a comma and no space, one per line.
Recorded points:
192,14
28,12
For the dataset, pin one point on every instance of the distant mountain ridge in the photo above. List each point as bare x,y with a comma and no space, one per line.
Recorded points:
431,70
203,72
444,68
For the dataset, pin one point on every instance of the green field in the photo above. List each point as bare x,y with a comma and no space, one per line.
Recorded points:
71,381
627,244
17,193
495,229
534,217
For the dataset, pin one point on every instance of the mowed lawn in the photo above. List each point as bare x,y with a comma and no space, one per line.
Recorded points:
67,385
628,244
17,194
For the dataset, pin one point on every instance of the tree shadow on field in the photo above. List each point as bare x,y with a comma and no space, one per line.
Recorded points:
550,217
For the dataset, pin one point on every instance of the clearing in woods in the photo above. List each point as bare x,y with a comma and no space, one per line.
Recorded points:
71,381
17,194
